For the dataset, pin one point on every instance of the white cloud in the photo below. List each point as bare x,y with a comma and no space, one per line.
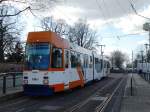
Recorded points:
105,9
141,42
132,23
70,14
108,12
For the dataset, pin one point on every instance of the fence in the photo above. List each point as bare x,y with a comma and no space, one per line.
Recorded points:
10,81
145,76
10,67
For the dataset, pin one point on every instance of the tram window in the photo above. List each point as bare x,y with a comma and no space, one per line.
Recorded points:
82,59
105,64
108,65
66,59
91,62
57,58
101,61
85,61
73,60
98,65
78,59
96,60
37,56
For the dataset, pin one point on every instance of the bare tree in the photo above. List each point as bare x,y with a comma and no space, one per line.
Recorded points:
9,31
27,5
81,34
9,25
117,59
58,26
17,54
148,56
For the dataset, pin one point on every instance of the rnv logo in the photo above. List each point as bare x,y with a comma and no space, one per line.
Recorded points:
35,79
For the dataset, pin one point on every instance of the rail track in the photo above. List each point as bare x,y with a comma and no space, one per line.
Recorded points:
105,94
78,100
103,105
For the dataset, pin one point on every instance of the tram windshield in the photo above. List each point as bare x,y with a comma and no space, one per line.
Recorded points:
37,56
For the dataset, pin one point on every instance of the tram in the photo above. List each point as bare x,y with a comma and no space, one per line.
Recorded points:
53,64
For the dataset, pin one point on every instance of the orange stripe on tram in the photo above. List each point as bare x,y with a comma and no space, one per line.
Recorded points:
58,87
79,82
74,84
80,73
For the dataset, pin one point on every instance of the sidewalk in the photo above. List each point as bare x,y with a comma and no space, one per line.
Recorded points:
10,89
140,101
11,93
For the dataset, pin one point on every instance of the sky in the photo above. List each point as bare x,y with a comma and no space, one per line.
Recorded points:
114,20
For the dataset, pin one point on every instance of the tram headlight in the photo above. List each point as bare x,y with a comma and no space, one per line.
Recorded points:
45,81
25,81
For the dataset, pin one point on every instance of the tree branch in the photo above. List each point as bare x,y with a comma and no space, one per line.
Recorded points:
9,15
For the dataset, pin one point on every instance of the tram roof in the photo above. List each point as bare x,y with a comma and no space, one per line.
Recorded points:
47,36
53,38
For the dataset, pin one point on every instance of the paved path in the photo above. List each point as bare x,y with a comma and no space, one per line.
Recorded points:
140,101
9,85
11,91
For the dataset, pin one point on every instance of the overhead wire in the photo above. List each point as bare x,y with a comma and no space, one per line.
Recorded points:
135,11
132,4
107,9
120,6
130,34
124,10
126,35
103,14
108,23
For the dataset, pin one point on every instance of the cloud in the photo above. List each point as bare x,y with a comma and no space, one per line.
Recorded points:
142,42
100,13
132,23
105,9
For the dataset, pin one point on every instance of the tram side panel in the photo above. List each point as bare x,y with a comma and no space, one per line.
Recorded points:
98,69
106,68
88,68
148,67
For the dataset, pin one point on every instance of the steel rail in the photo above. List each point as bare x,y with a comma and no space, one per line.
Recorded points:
104,104
81,104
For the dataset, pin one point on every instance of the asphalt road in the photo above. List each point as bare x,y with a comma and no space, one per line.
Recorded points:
66,101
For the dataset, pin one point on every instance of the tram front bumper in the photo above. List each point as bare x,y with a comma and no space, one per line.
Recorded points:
37,90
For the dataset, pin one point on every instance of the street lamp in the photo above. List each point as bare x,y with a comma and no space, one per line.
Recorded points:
102,52
146,27
146,47
101,48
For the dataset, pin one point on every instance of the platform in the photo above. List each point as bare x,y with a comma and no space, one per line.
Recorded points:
140,101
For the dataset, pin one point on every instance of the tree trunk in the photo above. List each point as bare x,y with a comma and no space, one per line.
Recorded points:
1,48
1,53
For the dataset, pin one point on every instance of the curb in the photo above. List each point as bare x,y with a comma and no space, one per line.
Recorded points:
10,96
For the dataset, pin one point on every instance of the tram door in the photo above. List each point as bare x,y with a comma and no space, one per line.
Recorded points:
81,61
67,66
85,67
